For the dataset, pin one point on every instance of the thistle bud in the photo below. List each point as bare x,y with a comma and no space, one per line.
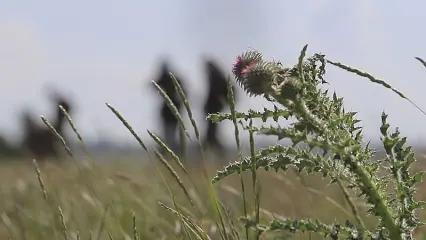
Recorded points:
257,80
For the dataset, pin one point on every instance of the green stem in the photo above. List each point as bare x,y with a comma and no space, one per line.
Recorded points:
366,185
374,196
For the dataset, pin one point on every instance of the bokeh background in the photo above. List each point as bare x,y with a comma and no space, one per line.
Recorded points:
108,51
97,52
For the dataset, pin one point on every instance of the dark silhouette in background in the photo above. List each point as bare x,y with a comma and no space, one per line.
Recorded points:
39,141
8,150
170,123
216,100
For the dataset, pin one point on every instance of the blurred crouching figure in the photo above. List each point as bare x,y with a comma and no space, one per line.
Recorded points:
38,140
170,123
215,102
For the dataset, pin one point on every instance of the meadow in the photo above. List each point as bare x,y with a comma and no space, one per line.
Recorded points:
370,197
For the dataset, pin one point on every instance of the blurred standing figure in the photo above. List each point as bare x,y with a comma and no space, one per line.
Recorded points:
170,123
216,100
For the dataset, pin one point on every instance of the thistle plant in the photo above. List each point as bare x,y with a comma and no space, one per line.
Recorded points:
326,140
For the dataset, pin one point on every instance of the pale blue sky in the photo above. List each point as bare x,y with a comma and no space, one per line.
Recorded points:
107,51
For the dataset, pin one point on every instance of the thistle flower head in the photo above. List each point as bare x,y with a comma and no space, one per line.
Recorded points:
259,77
253,74
244,62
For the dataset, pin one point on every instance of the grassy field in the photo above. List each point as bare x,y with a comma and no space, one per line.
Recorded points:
126,198
100,200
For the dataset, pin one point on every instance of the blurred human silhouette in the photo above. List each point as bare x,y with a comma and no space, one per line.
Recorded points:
170,124
38,140
8,150
216,100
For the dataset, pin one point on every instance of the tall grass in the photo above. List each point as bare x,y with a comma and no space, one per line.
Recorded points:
174,202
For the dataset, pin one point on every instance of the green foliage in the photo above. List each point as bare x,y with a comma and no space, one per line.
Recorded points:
320,122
